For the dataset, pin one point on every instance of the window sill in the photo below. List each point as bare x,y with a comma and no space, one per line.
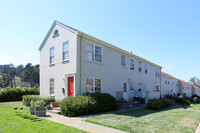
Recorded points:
131,91
55,36
52,95
65,61
123,67
100,63
52,64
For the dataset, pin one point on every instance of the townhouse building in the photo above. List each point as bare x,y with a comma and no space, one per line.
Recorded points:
73,63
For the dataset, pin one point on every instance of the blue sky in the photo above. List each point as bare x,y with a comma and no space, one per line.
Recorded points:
164,32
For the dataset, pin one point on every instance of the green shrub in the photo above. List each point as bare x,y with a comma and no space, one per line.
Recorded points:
28,98
157,104
198,100
104,102
15,94
154,104
76,106
183,101
88,104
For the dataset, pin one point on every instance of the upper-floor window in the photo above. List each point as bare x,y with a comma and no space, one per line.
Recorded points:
157,73
146,68
97,54
52,56
132,64
93,52
66,51
139,66
123,61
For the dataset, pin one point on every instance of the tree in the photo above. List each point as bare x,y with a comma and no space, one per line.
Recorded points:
8,72
31,74
19,70
195,81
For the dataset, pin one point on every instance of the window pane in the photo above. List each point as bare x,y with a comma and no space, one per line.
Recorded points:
89,47
89,85
97,85
65,46
132,63
89,56
125,87
97,54
66,55
51,87
52,51
52,60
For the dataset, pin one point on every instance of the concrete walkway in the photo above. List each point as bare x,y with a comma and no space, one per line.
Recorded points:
198,129
78,123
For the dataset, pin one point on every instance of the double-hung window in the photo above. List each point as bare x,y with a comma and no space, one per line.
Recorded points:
51,87
93,52
97,54
125,87
139,66
89,85
146,69
52,56
66,51
131,64
93,85
123,61
90,51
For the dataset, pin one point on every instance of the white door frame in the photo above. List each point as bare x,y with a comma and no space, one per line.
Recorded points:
66,84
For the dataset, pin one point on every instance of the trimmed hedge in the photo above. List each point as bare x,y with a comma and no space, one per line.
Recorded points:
28,98
15,94
76,106
104,102
88,104
157,104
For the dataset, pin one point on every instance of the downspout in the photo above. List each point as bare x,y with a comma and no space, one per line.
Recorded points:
80,62
160,83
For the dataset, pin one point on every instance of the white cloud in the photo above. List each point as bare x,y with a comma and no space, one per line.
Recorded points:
167,67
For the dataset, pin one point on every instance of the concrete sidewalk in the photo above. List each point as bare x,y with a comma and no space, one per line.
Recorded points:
78,123
198,129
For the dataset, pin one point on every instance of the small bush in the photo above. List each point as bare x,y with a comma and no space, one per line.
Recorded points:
157,104
183,101
15,94
28,98
88,104
198,100
76,106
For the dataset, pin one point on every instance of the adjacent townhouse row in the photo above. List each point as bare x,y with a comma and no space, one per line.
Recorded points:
174,86
73,63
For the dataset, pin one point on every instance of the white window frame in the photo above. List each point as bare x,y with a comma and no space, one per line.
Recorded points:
146,69
50,56
124,87
93,52
63,53
123,61
132,64
93,87
50,87
139,66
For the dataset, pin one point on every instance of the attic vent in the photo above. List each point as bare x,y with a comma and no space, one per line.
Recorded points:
55,33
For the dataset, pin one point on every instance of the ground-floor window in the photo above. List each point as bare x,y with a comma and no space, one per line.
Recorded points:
93,83
125,87
51,87
89,85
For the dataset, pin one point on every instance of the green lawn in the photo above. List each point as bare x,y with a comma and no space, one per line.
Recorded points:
173,119
18,121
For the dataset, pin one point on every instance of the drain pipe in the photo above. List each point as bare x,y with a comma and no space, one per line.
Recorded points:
80,62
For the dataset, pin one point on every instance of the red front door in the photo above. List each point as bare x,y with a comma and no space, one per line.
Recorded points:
71,86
